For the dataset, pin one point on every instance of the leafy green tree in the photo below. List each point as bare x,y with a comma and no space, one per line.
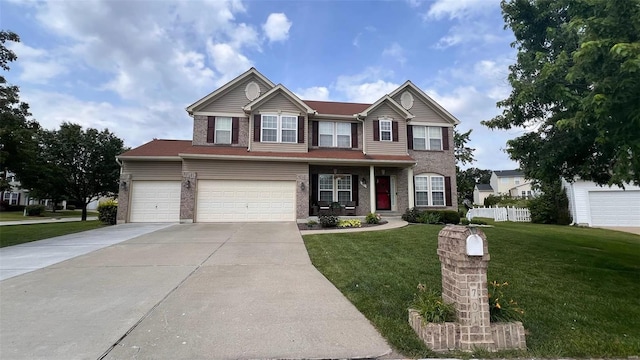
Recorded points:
467,180
83,162
463,153
576,85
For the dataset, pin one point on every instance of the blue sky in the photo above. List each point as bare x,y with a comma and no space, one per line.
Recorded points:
133,66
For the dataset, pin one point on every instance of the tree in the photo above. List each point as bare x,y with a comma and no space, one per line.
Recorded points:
467,180
83,161
575,89
464,154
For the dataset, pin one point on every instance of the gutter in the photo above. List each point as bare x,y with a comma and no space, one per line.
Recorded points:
296,159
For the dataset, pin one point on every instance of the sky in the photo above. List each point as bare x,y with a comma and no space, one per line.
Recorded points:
134,66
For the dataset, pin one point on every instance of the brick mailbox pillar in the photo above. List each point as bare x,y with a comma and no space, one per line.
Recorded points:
464,258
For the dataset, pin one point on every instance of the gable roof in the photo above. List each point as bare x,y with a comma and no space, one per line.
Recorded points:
278,89
428,100
508,173
191,108
484,187
336,108
394,105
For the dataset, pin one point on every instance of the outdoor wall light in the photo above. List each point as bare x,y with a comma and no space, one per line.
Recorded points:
187,184
123,185
302,186
363,182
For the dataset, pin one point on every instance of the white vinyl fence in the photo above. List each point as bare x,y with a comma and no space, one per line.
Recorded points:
501,214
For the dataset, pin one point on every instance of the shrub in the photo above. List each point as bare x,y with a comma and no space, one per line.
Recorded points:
329,221
349,223
412,215
478,222
501,308
430,217
431,307
464,221
373,218
5,206
335,208
107,212
71,207
34,210
492,200
552,206
312,223
450,216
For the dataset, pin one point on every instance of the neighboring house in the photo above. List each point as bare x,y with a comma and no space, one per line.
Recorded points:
593,205
16,195
510,182
260,153
481,192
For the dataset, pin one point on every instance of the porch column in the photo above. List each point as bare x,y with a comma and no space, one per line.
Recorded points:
410,187
372,188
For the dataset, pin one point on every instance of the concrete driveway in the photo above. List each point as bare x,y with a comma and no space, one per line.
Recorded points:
219,291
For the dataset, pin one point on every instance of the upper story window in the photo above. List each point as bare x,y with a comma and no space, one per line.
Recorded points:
429,190
516,180
334,134
504,180
386,133
427,138
279,128
222,130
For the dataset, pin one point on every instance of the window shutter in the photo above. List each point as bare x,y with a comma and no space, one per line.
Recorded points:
256,127
410,136
235,128
447,190
211,128
314,189
376,130
300,129
354,135
354,188
394,130
18,203
445,138
314,129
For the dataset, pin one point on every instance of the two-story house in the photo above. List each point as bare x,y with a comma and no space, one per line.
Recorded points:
260,153
503,182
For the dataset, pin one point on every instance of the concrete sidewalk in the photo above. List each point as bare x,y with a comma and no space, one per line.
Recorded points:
223,291
28,220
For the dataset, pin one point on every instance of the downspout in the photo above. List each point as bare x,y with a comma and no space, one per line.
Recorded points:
364,141
251,130
119,163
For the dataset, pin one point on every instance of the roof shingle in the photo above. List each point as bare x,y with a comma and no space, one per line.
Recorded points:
336,108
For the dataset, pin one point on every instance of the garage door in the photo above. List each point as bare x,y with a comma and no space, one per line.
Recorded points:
155,201
232,201
615,208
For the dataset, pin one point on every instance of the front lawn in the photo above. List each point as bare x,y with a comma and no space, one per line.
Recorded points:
579,286
19,215
18,234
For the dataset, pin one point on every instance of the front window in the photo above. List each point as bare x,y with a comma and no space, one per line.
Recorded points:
11,198
427,138
279,128
334,188
385,130
429,190
517,181
223,130
334,134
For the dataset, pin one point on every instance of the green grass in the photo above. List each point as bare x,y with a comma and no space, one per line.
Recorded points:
579,287
19,215
19,234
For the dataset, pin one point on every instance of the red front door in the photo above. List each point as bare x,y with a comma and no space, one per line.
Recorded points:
383,193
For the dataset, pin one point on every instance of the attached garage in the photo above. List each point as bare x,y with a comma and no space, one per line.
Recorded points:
245,200
155,201
615,208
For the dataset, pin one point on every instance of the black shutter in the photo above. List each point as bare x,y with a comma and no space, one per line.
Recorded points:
235,128
211,128
447,190
394,130
314,189
354,188
300,129
445,138
256,127
354,135
410,136
376,130
314,136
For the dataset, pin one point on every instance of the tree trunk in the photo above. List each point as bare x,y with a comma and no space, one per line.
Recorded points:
84,211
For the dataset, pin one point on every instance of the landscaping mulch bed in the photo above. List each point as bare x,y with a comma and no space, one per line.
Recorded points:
302,226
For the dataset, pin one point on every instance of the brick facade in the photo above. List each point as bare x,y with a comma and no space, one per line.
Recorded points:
188,196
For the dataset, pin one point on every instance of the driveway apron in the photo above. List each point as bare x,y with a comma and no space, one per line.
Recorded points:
199,291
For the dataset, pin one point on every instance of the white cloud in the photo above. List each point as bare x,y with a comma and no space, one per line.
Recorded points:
277,27
465,32
38,65
458,9
367,86
414,3
319,93
396,52
227,61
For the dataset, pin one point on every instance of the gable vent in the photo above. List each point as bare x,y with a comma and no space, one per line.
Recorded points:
252,91
406,100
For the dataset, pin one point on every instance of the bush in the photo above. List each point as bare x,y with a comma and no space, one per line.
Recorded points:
5,206
373,218
34,210
71,207
412,215
492,200
500,307
552,206
450,217
431,307
329,221
478,222
464,221
430,217
107,212
415,215
312,223
349,223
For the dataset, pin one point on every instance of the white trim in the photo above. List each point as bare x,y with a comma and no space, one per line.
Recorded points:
279,128
428,100
279,88
292,159
215,130
334,187
372,188
428,123
151,158
393,188
427,138
397,107
410,188
390,131
213,113
430,191
334,134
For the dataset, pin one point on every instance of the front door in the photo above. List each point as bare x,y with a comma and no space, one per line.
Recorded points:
383,193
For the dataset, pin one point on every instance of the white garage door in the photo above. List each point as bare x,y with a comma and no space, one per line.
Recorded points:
231,201
615,208
155,201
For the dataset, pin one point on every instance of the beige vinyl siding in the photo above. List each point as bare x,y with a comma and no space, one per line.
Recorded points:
279,102
153,170
245,170
280,147
235,99
421,110
385,147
